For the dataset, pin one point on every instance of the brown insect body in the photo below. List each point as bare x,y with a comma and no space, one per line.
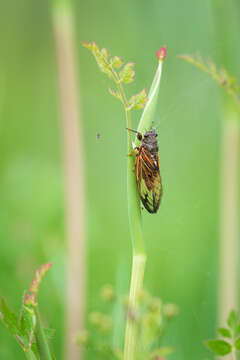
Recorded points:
147,168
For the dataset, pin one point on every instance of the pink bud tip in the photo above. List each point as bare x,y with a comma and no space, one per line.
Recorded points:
162,53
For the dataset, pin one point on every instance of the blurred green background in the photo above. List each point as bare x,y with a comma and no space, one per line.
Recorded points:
182,239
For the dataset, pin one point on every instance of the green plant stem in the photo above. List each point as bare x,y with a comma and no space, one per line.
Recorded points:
139,256
134,205
30,355
138,267
135,222
134,210
234,353
224,11
229,222
146,120
42,344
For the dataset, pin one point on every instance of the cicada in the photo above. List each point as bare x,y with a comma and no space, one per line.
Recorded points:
147,169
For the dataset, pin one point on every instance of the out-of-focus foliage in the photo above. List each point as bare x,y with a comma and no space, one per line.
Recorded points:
221,76
230,342
23,327
152,320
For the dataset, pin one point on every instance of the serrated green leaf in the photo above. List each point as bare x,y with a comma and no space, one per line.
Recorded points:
20,329
225,333
87,45
103,65
27,320
237,344
105,53
9,319
139,106
142,96
232,320
162,351
127,73
27,324
116,62
115,94
219,347
138,101
100,57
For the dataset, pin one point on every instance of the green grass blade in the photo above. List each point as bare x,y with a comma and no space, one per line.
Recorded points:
149,110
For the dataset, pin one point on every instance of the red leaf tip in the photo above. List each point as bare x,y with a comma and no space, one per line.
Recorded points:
161,53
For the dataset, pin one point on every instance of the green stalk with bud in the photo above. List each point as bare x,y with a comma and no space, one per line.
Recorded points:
27,328
111,67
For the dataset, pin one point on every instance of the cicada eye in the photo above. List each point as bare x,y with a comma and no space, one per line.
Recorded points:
139,136
156,135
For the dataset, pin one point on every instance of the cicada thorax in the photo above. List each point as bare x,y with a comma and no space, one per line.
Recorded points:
147,167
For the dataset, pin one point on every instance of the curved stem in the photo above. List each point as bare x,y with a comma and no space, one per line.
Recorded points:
234,357
138,268
149,110
29,355
134,205
42,344
139,256
135,222
229,224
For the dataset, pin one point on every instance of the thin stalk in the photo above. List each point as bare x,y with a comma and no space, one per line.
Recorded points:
224,13
42,344
135,222
30,355
139,256
134,204
148,113
138,268
229,214
234,355
73,155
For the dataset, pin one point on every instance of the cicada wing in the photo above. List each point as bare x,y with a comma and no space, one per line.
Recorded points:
148,181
